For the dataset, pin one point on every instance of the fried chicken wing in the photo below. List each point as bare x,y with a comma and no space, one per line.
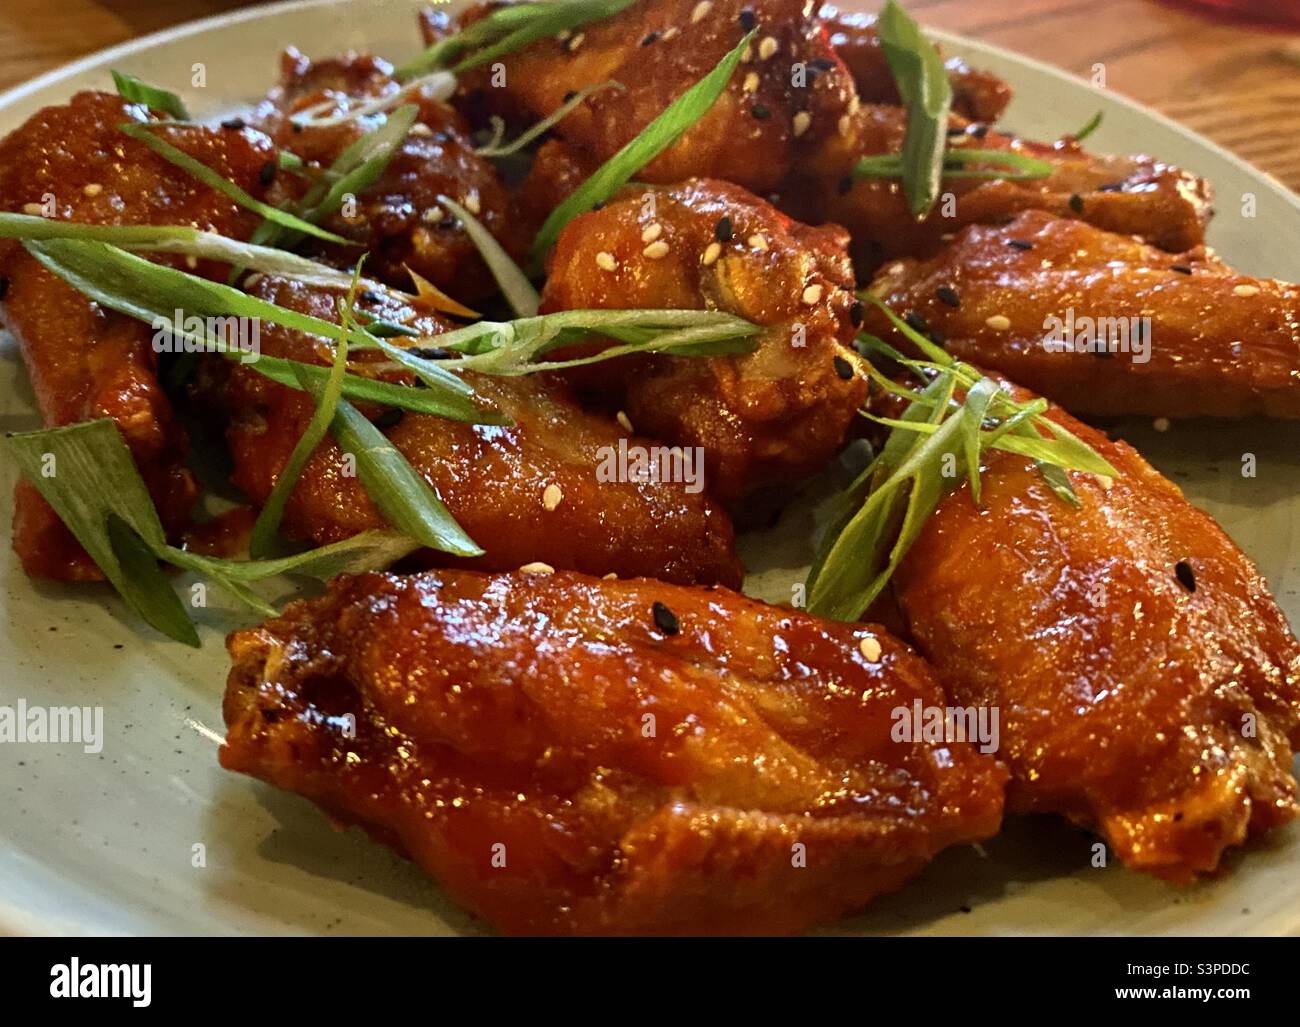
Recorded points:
1136,195
977,95
1148,332
398,219
764,418
1148,684
573,756
71,162
494,479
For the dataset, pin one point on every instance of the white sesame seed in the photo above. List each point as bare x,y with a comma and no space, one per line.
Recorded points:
472,203
844,125
1246,290
421,129
611,576
652,232
252,279
537,568
747,54
605,261
1160,424
551,497
624,421
563,35
191,261
576,41
432,214
802,121
854,104
757,242
1105,482
33,208
93,189
701,11
870,648
750,85
812,295
767,48
711,254
655,250
670,33
998,322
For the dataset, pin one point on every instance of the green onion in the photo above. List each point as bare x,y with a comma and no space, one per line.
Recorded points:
506,30
515,286
438,86
923,86
268,519
132,90
656,137
141,132
1093,124
496,149
956,164
405,499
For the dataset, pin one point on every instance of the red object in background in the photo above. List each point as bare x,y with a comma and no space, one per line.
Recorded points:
1278,13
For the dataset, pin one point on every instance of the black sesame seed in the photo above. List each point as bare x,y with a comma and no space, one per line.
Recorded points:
1186,577
956,130
297,127
649,38
948,295
1020,244
390,418
856,311
821,64
1182,269
843,368
430,352
917,323
370,296
1076,203
4,287
234,124
747,19
977,131
598,206
760,112
665,619
570,95
723,231
267,173
846,185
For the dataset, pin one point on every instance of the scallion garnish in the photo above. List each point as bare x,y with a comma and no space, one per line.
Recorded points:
656,137
437,86
1093,124
515,286
923,86
961,163
506,30
142,132
498,148
132,90
875,521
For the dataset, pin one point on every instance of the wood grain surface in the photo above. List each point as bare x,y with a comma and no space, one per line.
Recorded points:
1237,83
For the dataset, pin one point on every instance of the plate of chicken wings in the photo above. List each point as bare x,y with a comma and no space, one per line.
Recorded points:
639,467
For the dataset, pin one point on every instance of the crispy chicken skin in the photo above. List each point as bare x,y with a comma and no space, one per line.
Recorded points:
977,95
86,362
492,478
765,418
753,133
398,219
1220,344
563,761
1138,195
1148,684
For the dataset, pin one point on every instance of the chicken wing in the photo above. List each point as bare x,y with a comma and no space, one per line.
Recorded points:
494,479
85,362
573,756
1104,324
977,95
1148,684
398,219
765,418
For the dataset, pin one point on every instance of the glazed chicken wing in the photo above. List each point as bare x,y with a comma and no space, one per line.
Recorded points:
398,219
1148,684
1149,332
529,491
71,162
765,418
573,756
977,95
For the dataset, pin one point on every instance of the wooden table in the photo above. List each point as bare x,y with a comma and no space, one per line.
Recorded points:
1238,84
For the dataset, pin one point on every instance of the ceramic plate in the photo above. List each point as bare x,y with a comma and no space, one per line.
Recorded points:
149,835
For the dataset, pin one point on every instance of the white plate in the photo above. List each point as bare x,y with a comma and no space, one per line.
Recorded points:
104,843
